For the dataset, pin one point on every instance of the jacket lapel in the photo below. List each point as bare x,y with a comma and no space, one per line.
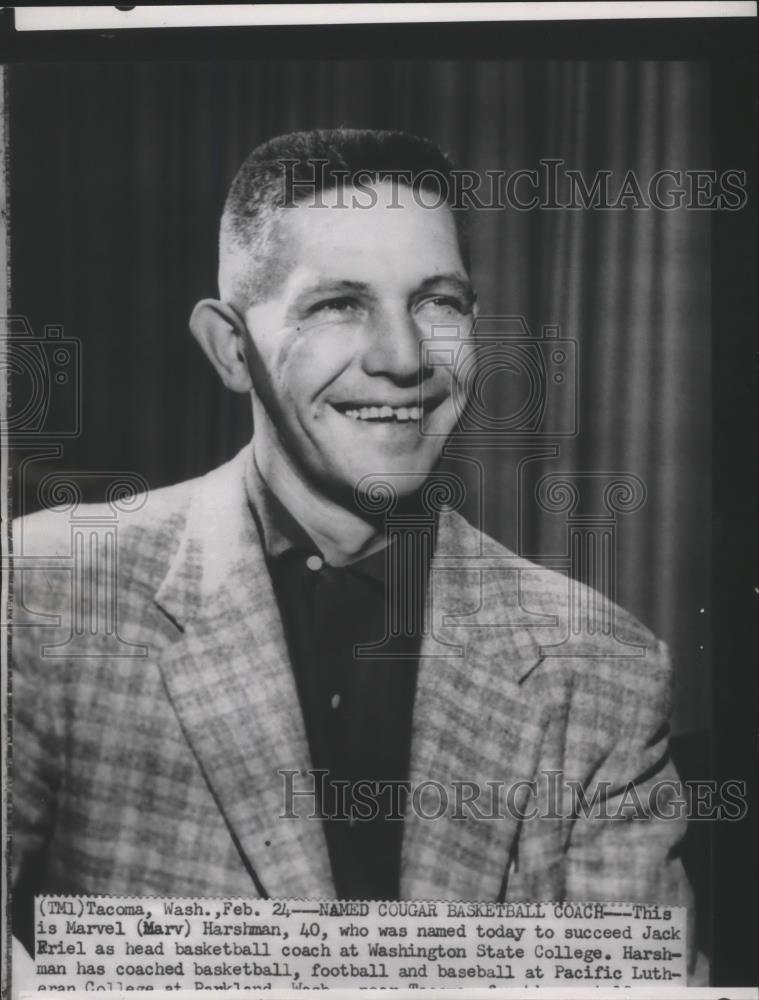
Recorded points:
475,721
229,677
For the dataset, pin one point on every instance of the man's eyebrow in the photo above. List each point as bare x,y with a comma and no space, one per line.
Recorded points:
331,285
336,286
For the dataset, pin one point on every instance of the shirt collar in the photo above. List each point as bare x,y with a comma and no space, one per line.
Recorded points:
281,533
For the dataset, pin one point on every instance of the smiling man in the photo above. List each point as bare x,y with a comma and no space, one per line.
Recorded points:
323,310
328,337
294,708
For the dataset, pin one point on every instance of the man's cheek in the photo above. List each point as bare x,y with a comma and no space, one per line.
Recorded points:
305,360
450,389
283,350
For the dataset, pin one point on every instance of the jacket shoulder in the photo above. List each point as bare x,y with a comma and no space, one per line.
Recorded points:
154,513
138,534
548,591
592,669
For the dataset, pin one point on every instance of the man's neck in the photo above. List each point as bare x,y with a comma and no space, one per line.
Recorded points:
340,534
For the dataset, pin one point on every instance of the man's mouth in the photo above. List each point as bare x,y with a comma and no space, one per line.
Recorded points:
383,413
377,411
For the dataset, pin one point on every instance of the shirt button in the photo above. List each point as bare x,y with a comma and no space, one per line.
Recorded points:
335,701
314,562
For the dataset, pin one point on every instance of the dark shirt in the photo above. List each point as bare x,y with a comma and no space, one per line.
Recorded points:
357,708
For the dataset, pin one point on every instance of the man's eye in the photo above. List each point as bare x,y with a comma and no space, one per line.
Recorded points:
336,305
445,303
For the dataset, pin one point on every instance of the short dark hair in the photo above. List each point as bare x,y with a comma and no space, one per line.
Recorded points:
288,168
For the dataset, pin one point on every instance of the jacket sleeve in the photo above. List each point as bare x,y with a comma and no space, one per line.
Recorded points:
625,847
37,694
36,754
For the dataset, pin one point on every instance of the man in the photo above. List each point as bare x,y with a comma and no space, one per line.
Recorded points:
256,601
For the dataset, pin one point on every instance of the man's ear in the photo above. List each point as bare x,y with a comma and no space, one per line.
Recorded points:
220,332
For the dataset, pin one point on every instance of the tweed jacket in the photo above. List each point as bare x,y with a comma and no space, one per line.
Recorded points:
149,743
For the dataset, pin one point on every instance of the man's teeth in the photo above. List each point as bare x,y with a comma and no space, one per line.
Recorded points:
400,413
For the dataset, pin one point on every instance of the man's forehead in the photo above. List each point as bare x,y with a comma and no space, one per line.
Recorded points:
343,235
394,237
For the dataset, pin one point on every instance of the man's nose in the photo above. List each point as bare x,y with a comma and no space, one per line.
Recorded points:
394,347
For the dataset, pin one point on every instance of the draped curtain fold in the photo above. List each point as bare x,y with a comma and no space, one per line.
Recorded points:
118,175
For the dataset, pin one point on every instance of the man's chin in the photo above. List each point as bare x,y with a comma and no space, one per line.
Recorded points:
347,465
386,477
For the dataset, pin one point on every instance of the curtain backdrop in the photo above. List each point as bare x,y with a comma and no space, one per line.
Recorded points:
118,175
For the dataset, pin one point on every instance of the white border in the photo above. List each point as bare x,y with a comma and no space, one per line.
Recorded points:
227,15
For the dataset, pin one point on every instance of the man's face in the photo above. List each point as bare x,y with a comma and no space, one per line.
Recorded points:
344,379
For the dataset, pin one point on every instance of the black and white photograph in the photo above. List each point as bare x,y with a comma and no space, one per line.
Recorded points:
379,514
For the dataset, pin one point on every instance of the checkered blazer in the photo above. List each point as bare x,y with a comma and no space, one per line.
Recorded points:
148,759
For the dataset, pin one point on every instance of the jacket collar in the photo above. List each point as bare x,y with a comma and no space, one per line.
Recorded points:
280,533
221,560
